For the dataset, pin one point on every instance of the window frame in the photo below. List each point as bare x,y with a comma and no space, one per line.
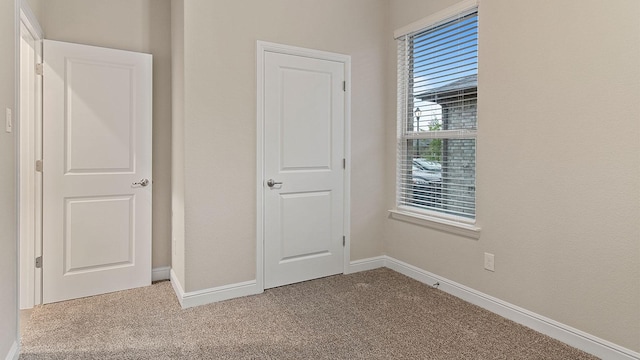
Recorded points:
459,225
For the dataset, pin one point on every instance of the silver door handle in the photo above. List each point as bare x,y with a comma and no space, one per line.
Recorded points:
143,182
272,183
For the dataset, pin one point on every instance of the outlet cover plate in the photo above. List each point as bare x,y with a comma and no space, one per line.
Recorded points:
489,263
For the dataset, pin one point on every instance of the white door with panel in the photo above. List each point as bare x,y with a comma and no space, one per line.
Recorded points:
97,170
304,112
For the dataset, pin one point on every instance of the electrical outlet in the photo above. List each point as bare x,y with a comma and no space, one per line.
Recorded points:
489,262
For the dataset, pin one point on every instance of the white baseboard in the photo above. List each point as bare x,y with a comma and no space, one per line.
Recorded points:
366,264
14,352
207,296
177,287
161,273
567,334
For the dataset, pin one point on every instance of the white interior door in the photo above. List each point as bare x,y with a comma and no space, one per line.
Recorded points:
96,145
304,107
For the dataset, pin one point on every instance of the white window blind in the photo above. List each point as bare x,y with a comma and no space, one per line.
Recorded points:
437,121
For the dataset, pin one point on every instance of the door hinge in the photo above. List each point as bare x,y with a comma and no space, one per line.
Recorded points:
39,165
39,69
344,163
39,262
344,241
344,86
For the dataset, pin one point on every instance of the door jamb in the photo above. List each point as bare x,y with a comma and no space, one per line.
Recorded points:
28,151
262,48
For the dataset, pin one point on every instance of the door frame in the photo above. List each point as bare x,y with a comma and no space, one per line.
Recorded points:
29,149
264,47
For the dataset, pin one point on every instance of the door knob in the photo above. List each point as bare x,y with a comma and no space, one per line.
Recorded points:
143,182
272,183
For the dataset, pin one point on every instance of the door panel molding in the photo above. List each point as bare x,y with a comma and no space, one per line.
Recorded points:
262,49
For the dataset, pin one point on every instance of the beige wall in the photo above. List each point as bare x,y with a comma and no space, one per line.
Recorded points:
220,121
558,179
142,26
8,256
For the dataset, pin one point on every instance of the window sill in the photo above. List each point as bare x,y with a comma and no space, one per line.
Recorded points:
449,226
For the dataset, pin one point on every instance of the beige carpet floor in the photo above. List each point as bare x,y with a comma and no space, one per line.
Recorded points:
376,314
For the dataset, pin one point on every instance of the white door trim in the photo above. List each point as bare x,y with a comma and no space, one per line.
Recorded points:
262,48
30,20
29,149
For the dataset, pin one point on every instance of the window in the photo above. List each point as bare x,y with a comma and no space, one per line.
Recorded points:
437,121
